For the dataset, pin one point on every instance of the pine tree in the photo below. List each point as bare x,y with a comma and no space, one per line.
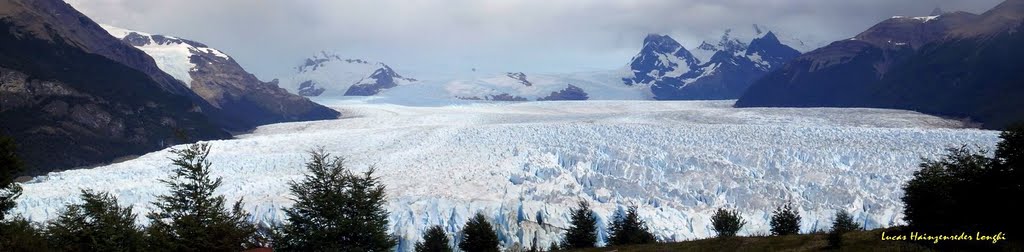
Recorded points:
554,246
626,229
97,224
843,223
190,217
582,231
335,210
19,234
16,234
434,240
479,236
727,223
10,166
785,220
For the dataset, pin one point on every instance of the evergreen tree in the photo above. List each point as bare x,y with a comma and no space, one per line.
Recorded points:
963,191
553,246
190,217
727,223
1008,180
10,166
97,224
582,231
843,223
335,210
434,240
18,234
627,229
785,220
479,236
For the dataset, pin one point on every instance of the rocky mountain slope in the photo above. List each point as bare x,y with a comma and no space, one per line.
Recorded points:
955,64
72,95
222,82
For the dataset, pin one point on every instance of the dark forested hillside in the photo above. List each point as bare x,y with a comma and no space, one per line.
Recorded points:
958,65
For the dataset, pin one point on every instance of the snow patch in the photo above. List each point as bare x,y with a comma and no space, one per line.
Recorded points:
173,57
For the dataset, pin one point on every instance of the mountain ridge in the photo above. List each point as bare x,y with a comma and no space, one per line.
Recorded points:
218,79
956,64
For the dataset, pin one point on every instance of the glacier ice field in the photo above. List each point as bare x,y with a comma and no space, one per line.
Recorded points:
524,165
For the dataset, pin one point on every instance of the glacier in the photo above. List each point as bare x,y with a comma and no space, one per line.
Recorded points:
524,165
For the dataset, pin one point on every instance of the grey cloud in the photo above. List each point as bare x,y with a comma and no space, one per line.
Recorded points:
423,36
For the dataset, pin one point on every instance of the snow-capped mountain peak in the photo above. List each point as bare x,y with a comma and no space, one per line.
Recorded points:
767,52
661,57
715,70
317,61
332,75
173,55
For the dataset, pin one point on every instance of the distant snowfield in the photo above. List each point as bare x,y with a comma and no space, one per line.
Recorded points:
524,164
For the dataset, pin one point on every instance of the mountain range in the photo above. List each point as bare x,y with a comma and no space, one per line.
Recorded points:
663,69
723,71
331,75
954,64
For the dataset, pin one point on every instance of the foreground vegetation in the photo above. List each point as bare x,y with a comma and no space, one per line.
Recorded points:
852,241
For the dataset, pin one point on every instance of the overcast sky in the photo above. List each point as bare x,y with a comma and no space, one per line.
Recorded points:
429,37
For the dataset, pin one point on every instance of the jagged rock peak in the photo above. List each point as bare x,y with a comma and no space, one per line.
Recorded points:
312,63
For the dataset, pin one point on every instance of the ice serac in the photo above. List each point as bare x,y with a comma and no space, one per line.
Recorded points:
730,67
218,79
955,64
71,95
328,74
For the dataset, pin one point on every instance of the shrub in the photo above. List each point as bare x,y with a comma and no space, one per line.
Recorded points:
727,223
628,229
843,223
785,220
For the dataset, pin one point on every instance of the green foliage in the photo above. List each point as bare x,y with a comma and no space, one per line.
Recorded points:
10,166
582,231
842,224
478,236
434,240
627,229
965,190
335,210
18,234
785,220
727,223
190,217
97,224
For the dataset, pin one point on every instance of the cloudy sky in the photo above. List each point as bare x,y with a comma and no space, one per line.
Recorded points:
425,38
